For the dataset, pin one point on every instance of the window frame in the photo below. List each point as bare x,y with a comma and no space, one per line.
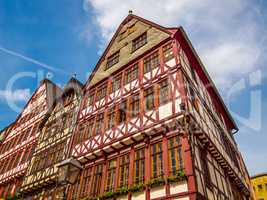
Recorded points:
124,170
168,50
115,83
175,156
122,111
113,60
139,41
151,62
149,99
101,92
134,105
99,124
156,160
111,175
139,166
164,97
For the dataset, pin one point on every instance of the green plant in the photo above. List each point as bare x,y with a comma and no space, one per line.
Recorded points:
180,176
10,197
156,182
122,191
90,198
137,188
107,195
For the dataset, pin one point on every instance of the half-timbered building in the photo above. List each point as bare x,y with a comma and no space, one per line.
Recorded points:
21,137
53,144
152,124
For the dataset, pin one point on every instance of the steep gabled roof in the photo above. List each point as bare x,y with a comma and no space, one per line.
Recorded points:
44,81
171,31
211,85
127,19
72,85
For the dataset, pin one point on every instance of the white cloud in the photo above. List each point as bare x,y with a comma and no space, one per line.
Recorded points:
228,35
16,95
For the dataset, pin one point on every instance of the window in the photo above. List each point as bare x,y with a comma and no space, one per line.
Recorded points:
266,186
97,177
99,123
193,97
134,105
90,127
193,73
149,99
175,155
101,92
67,117
111,118
151,62
116,84
110,183
74,190
90,99
131,74
139,166
124,171
85,188
113,59
139,41
81,133
164,92
205,167
167,52
122,112
156,160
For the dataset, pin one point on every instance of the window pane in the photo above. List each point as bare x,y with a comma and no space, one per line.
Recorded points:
149,99
164,92
122,112
124,171
156,160
167,52
131,74
139,166
116,84
112,60
151,62
110,183
175,155
111,118
99,123
134,105
139,41
97,177
101,92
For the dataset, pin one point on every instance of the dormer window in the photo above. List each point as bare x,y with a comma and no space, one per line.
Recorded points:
139,41
112,60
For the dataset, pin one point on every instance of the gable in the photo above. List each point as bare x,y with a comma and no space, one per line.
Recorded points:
122,43
36,107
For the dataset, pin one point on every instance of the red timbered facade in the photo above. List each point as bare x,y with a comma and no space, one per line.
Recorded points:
56,129
152,124
21,137
149,124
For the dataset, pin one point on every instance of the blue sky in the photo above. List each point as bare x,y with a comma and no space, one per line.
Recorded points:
230,37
